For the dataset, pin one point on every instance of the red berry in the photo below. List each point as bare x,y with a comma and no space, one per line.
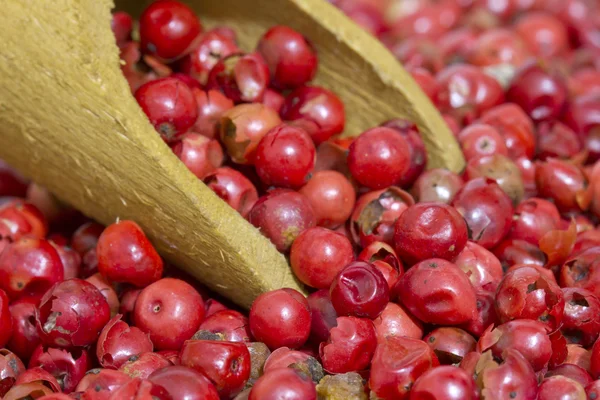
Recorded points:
6,320
437,185
126,255
450,345
481,140
581,318
169,29
67,367
234,188
241,77
283,383
170,311
25,337
143,365
121,25
533,219
545,35
170,106
323,315
481,266
499,169
445,382
201,155
184,383
395,321
514,378
118,342
516,128
86,237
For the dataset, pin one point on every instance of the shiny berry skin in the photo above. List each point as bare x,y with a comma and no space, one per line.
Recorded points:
331,196
359,290
481,140
25,337
526,293
169,29
140,388
556,140
29,266
233,188
273,100
561,387
498,46
242,127
19,219
65,308
515,126
226,364
118,342
438,292
545,35
418,154
10,368
378,158
396,321
170,311
67,367
323,315
319,106
201,155
581,114
533,218
513,379
429,230
107,290
444,382
499,169
449,344
86,237
291,58
437,185
571,371
212,47
121,25
184,383
71,260
142,365
285,157
465,92
280,318
487,210
318,255
583,271
6,320
126,255
581,319
170,106
541,95
283,383
397,364
481,266
349,347
211,106
563,182
229,325
241,77
281,216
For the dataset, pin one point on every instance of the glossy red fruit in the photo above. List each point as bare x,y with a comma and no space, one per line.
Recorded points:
19,219
29,266
280,318
395,321
563,182
184,383
573,372
281,216
582,270
86,237
211,106
512,379
283,383
397,364
68,367
545,35
27,390
71,260
118,342
234,188
485,314
359,290
291,58
429,230
226,364
242,127
375,214
556,140
516,128
444,382
121,25
170,311
512,252
102,382
71,314
229,325
107,291
379,158
581,318
140,388
212,46
273,100
526,293
10,368
331,196
169,29
450,345
318,255
582,114
560,387
242,77
25,337
349,347
437,291
487,210
201,155
498,46
316,105
170,106
126,255
534,218
285,157
499,169
541,95
481,140
481,266
323,315
142,365
437,185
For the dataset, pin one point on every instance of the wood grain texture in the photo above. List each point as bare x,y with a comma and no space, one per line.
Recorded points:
68,120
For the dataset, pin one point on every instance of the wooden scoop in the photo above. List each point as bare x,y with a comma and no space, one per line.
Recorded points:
69,122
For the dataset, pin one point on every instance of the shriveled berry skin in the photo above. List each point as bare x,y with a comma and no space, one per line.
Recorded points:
226,364
379,157
68,367
429,230
359,290
169,29
481,266
581,318
514,378
170,106
450,344
184,383
291,58
126,255
118,342
29,266
281,216
395,321
280,318
444,382
436,291
349,347
283,383
397,364
285,157
318,255
71,314
170,311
